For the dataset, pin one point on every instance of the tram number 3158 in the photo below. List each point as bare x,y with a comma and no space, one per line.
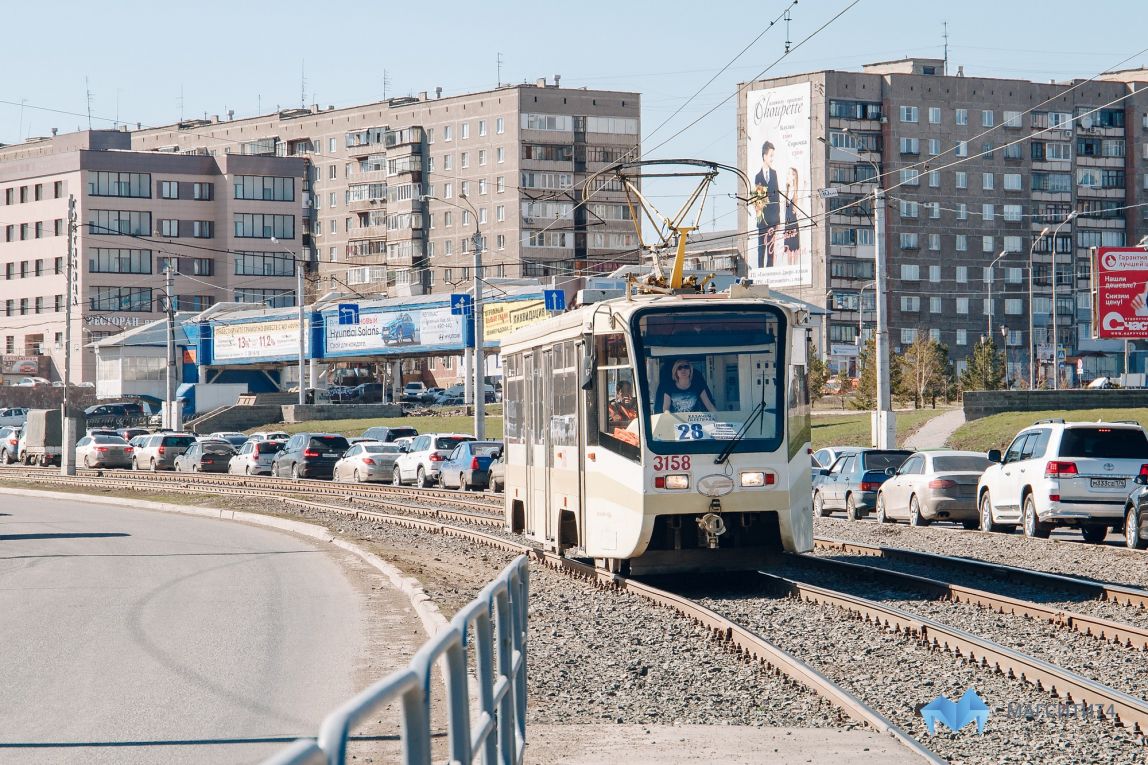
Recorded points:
672,462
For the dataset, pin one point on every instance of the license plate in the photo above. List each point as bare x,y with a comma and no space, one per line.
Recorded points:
333,455
1108,483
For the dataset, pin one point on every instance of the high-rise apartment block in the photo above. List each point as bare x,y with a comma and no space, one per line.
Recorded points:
211,220
398,189
981,176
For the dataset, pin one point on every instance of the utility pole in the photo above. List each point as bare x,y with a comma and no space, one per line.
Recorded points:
172,418
886,421
479,362
299,296
67,422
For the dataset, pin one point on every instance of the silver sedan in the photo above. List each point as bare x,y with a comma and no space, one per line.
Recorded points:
933,486
368,461
103,451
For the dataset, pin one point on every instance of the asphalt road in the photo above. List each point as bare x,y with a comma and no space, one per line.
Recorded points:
133,636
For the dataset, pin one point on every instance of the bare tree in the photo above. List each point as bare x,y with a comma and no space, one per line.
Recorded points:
925,370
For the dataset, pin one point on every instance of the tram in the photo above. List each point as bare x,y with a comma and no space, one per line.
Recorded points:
662,433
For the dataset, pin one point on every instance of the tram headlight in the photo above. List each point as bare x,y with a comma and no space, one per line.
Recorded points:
755,478
677,482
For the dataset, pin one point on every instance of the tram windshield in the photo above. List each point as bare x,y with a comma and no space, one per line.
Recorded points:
709,377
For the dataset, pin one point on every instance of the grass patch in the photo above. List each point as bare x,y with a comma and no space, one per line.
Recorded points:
856,429
444,423
997,431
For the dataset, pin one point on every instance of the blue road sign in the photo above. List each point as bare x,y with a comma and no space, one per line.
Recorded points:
460,303
555,300
348,313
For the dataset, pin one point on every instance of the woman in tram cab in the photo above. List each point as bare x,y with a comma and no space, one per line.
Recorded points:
683,390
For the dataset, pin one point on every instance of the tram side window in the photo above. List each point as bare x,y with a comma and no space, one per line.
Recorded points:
564,415
515,413
615,398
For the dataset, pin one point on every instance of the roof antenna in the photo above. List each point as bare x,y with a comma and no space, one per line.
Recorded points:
88,91
498,61
303,84
945,66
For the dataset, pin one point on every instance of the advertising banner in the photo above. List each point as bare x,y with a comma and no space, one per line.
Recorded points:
1120,293
778,137
22,365
256,340
500,319
402,329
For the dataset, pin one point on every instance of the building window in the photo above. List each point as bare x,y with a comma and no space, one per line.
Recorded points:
934,115
986,244
258,226
962,211
934,243
500,213
482,157
203,192
910,272
987,181
124,299
962,116
113,222
962,149
987,213
168,227
934,146
499,125
500,155
1013,214
934,179
168,190
103,184
464,131
269,297
962,274
934,305
500,184
962,243
1012,182
908,336
987,118
447,133
265,187
909,114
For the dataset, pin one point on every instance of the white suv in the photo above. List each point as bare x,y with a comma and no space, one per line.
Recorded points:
1059,473
420,462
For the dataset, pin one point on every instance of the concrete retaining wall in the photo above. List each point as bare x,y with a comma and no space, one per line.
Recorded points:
979,404
297,413
238,418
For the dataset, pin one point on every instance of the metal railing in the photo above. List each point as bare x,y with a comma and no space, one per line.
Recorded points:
496,623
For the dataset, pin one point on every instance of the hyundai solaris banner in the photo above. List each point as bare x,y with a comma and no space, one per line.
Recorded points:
1120,293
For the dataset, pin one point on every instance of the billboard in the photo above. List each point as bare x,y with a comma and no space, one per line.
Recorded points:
1120,293
398,329
501,318
255,340
778,138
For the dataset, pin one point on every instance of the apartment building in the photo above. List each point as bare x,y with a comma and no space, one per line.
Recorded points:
981,176
210,219
399,189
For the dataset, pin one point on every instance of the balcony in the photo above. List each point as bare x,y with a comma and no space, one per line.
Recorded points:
366,205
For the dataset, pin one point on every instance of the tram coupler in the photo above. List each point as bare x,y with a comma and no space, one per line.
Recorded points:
712,524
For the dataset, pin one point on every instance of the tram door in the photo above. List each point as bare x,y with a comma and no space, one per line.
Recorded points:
537,371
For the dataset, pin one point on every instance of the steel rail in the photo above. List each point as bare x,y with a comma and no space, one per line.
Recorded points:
1128,596
1128,709
1126,635
734,637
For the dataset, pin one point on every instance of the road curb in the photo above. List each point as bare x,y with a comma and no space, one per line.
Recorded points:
427,610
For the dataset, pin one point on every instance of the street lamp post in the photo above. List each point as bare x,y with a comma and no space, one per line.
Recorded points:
479,364
1031,326
885,420
299,299
67,422
1055,320
989,293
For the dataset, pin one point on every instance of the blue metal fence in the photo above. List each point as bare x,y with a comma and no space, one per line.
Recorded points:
496,623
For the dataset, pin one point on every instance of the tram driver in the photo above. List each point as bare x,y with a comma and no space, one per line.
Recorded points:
623,408
683,390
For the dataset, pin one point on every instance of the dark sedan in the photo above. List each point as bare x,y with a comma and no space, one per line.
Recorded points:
468,466
852,481
205,457
310,455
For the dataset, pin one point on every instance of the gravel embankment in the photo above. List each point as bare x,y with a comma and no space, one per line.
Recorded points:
896,673
596,655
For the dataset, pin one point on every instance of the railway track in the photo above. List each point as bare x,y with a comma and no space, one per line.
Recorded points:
729,634
1104,591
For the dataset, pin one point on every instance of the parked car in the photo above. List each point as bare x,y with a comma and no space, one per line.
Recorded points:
270,435
371,461
129,433
115,415
255,457
468,466
10,444
498,471
309,455
1059,473
159,450
104,451
32,382
103,432
387,433
404,441
933,486
827,455
420,463
205,457
13,415
852,482
431,395
235,439
413,391
370,393
1136,513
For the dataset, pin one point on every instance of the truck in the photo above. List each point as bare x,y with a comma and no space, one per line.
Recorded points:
43,437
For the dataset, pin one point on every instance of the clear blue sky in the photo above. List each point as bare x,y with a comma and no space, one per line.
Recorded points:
153,62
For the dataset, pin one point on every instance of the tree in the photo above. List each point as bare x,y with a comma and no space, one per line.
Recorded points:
925,370
818,373
865,397
986,367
